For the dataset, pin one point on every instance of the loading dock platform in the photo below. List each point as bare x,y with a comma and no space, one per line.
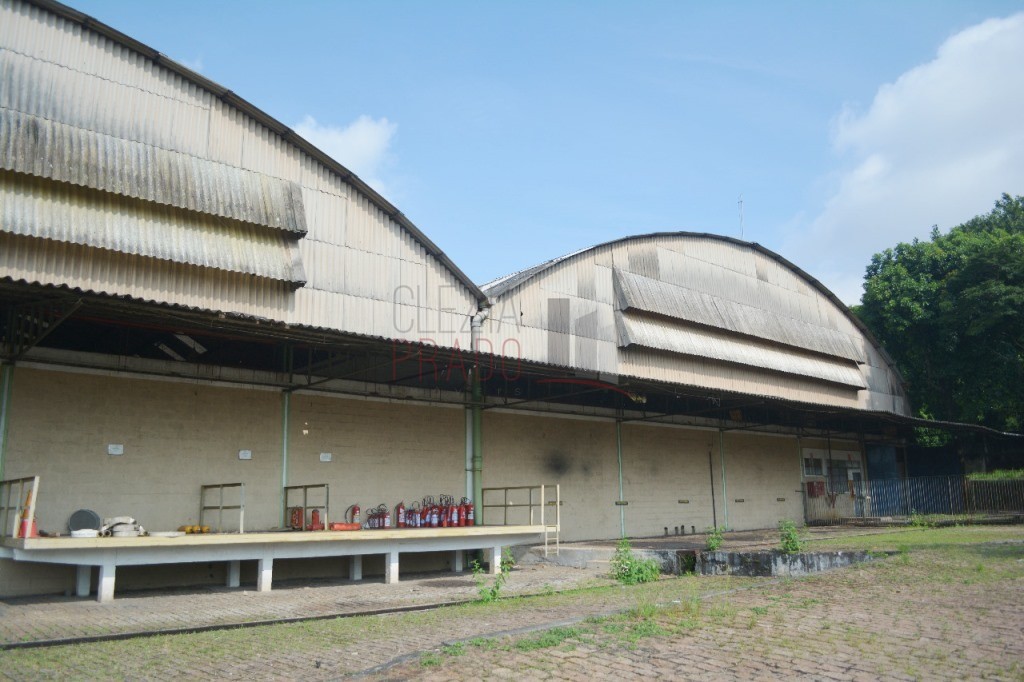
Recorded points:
107,553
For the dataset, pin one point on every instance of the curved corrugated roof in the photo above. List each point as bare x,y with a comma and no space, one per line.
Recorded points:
249,109
498,287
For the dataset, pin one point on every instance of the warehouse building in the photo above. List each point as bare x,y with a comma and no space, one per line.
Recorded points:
192,294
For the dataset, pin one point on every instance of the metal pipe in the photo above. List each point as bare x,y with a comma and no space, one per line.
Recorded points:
476,403
469,454
6,384
725,493
714,510
286,402
618,447
803,477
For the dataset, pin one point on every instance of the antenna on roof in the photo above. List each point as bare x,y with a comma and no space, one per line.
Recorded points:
740,203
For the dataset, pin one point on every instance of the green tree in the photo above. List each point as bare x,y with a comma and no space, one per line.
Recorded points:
950,311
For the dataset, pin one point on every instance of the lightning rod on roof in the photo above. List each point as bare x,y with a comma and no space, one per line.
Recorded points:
740,203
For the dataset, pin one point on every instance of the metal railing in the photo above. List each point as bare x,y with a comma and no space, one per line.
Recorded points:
900,499
220,507
526,505
306,506
16,507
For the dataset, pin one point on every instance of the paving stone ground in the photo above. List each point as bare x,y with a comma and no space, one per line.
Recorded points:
905,617
59,617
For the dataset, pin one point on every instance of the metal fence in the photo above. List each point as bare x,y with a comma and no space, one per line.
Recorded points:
903,499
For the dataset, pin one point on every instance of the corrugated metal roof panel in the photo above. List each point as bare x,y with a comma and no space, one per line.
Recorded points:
704,308
38,33
65,213
710,374
36,146
705,343
100,271
55,92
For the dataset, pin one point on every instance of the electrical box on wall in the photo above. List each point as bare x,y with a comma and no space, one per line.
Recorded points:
326,457
115,448
245,454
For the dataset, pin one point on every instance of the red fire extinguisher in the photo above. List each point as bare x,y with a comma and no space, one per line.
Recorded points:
462,512
352,514
314,521
435,516
297,522
400,521
385,517
468,505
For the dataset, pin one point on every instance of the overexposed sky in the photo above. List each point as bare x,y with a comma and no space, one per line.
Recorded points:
514,132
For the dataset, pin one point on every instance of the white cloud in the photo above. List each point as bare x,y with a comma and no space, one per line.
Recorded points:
936,147
362,146
194,64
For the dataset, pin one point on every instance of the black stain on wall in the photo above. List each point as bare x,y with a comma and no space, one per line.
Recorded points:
557,463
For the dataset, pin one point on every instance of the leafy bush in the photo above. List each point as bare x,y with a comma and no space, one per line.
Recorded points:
629,569
999,475
789,537
714,539
918,520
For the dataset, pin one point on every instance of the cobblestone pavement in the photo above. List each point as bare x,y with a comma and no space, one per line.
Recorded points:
59,617
935,613
931,614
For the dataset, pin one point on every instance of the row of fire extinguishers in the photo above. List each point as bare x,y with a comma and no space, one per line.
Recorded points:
443,513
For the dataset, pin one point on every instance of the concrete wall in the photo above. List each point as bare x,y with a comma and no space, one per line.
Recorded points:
381,452
578,454
177,436
660,466
759,470
180,435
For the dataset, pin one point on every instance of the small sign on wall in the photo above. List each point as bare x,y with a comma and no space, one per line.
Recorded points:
245,454
115,448
326,457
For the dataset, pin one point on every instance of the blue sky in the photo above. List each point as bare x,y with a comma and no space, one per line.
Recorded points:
512,133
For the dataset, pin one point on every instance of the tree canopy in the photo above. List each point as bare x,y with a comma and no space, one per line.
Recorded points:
950,311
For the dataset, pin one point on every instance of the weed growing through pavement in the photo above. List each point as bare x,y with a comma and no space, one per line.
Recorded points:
491,592
455,649
629,569
431,659
549,638
714,539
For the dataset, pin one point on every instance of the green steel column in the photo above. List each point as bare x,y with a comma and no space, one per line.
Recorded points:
618,448
286,401
803,485
478,447
6,384
725,493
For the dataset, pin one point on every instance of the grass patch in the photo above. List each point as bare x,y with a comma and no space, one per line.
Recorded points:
430,660
549,638
456,649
